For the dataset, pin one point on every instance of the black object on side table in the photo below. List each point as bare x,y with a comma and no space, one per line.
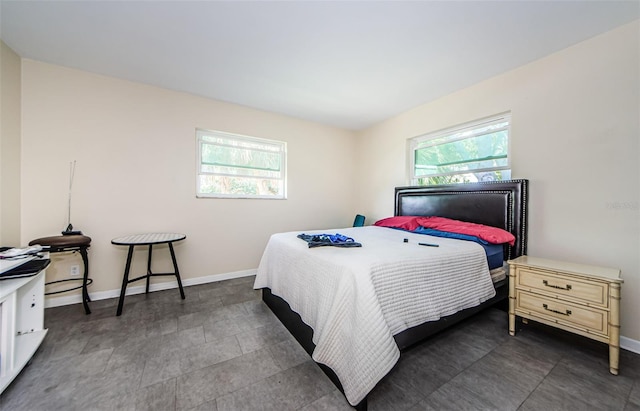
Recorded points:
147,239
70,243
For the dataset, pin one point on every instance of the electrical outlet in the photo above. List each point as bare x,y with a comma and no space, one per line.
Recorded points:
75,270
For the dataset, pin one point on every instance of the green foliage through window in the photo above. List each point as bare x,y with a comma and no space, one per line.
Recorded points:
474,152
231,165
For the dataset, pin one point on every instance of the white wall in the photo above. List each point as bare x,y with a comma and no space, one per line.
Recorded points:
136,163
575,132
10,79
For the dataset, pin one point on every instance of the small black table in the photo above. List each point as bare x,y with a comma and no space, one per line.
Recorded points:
147,239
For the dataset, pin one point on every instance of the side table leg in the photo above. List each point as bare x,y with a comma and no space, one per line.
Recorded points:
146,291
175,267
85,278
125,281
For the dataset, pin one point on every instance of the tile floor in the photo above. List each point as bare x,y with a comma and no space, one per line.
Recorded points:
222,349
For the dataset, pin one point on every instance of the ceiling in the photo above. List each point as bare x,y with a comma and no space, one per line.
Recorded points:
348,64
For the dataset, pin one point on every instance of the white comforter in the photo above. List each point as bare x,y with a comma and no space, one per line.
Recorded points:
356,299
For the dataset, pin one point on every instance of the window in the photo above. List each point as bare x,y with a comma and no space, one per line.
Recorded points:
472,152
235,166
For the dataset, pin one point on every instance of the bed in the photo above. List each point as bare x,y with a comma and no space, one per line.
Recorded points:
361,326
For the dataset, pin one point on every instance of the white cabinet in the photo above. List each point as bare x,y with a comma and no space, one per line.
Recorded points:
21,324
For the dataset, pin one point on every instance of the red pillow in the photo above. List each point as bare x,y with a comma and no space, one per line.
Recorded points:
493,235
405,222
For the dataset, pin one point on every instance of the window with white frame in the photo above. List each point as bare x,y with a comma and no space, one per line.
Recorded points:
236,166
472,152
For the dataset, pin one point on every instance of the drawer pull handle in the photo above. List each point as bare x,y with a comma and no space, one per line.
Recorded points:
545,282
546,307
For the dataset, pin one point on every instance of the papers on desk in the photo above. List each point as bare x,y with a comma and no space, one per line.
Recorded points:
6,265
17,253
14,257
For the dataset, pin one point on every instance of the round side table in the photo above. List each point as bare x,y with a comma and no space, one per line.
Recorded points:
149,239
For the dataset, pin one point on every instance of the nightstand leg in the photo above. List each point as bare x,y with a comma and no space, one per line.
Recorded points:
512,324
614,329
512,300
614,357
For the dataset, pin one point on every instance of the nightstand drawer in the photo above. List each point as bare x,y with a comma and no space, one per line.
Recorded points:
591,320
591,292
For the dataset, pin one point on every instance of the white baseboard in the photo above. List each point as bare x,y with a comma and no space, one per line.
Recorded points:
630,345
140,289
625,343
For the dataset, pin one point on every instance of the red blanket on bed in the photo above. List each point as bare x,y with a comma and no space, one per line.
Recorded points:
492,235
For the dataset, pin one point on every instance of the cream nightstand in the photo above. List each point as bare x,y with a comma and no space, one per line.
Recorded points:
578,298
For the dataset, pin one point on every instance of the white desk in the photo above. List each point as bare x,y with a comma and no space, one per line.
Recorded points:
21,324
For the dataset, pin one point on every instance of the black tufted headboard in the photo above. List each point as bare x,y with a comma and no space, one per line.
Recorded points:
500,204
